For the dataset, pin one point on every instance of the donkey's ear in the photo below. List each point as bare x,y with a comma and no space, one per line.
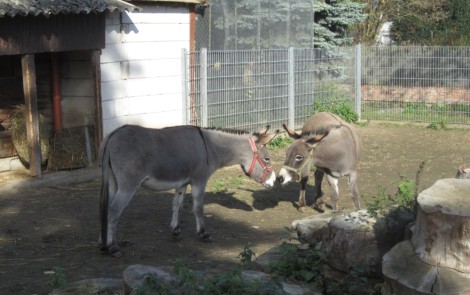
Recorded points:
264,130
264,139
314,140
291,133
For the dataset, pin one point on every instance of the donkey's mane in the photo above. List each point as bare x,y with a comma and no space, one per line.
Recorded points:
228,130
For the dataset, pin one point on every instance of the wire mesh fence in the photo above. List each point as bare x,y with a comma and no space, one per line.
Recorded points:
248,89
419,84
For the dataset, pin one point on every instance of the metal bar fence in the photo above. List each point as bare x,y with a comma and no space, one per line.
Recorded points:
248,89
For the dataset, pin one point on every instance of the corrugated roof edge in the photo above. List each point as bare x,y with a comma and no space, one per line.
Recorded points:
12,9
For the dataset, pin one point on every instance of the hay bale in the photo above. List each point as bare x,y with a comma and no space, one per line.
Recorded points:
69,148
17,130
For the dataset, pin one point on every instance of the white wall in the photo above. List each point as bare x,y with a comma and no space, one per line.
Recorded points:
141,67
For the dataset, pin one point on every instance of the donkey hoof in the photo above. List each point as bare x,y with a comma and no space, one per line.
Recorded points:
302,209
319,207
205,237
115,251
176,233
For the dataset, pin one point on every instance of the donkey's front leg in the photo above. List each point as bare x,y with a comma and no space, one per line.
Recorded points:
177,204
197,192
302,200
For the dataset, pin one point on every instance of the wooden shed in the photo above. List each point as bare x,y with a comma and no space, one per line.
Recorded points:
50,55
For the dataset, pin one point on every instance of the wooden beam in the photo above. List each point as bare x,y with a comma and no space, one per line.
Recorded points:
96,68
32,114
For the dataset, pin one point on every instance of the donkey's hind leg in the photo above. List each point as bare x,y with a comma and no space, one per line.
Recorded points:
117,205
333,182
356,198
197,192
177,204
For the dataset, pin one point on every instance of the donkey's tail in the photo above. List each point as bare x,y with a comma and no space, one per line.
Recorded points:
104,196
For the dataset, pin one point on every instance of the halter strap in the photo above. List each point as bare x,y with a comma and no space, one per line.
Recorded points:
257,159
297,170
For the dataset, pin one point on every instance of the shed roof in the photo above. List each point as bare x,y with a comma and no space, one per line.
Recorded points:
47,7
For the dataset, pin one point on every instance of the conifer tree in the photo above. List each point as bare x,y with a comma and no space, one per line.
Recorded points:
249,24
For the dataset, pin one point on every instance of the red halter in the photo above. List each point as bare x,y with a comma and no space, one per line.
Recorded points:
257,158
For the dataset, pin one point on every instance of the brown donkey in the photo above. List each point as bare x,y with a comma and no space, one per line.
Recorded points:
333,147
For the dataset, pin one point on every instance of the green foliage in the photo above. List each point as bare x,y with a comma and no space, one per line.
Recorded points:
152,286
405,196
248,24
58,278
356,282
343,109
380,204
246,256
438,126
232,283
432,22
331,98
192,282
281,141
299,265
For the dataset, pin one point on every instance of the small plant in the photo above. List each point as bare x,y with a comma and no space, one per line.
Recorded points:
58,278
246,256
280,141
438,126
343,109
188,278
405,196
356,282
152,285
299,265
380,204
218,186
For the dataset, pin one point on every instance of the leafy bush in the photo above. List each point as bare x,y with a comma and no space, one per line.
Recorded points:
299,265
355,282
405,196
58,278
343,109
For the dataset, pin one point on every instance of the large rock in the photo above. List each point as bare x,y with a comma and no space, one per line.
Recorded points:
354,239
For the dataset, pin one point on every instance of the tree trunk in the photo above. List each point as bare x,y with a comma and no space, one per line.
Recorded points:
437,259
442,231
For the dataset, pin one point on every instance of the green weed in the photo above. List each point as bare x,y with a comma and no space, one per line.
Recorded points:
405,196
280,141
247,255
343,109
438,126
356,282
58,278
299,265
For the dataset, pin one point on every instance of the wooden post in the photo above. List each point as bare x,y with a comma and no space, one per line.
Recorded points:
32,114
95,63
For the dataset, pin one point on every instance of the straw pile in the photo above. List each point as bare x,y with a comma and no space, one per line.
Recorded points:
17,130
68,148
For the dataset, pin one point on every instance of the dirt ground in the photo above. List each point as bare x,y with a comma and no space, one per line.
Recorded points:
58,226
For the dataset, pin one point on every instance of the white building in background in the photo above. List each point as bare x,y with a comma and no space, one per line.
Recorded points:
141,65
384,37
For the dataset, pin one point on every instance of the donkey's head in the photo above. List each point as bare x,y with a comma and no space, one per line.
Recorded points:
260,168
298,156
463,171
